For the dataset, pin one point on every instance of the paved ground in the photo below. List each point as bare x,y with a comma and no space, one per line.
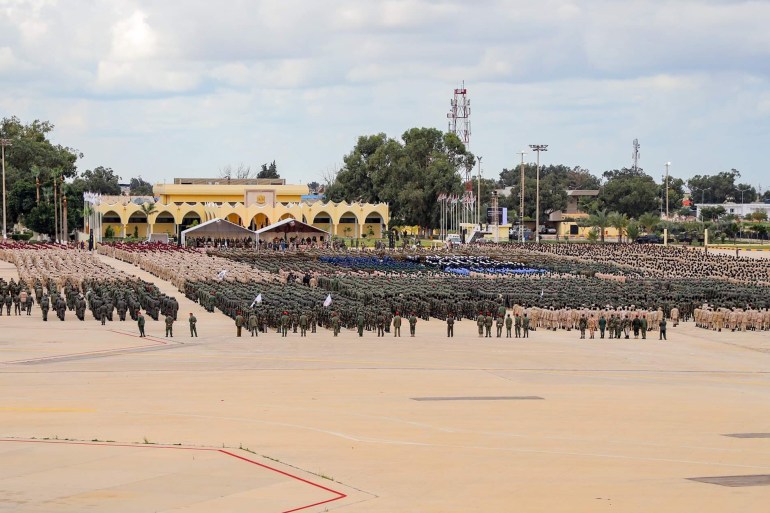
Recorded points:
553,424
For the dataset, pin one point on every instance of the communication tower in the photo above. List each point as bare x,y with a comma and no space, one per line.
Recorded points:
460,124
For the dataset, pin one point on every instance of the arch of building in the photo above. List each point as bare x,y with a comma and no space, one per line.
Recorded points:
360,218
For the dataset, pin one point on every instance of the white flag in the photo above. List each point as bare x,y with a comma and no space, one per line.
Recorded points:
328,301
257,299
541,292
221,275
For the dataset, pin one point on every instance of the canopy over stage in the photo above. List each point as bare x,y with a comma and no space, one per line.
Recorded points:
289,229
218,229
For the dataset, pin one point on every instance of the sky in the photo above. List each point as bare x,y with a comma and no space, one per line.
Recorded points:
184,88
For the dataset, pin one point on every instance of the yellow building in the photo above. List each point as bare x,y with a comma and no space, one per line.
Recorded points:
252,203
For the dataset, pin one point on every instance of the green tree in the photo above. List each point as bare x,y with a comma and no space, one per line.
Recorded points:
629,192
759,215
712,213
619,221
649,222
149,209
138,187
721,187
601,221
632,230
408,174
102,180
268,171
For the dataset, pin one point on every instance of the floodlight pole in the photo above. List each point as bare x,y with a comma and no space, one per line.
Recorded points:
538,148
3,144
521,198
667,166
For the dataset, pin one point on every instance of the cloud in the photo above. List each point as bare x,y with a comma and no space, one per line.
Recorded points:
298,81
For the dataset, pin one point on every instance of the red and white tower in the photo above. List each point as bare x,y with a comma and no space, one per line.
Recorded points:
460,124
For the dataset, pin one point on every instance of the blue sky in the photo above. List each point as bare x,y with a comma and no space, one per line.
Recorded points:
166,89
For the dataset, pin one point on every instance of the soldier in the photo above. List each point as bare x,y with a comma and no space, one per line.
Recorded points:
636,324
397,325
238,323
169,326
675,316
8,303
44,304
499,325
303,325
525,326
488,325
412,324
360,321
193,321
380,324
643,326
285,322
591,326
28,304
16,304
662,326
480,324
336,323
450,325
253,324
583,324
508,324
102,312
602,326
122,307
140,323
517,324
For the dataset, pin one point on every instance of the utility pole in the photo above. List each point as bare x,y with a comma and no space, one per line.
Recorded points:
3,144
55,208
497,217
667,166
521,198
538,148
478,196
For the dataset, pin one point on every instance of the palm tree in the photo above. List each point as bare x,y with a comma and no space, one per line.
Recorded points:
149,209
36,174
649,221
601,221
619,222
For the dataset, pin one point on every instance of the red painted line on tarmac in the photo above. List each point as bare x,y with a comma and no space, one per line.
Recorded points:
338,495
101,351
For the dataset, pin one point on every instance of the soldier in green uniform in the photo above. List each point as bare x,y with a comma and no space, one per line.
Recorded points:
480,324
140,323
508,325
253,324
450,325
238,324
583,324
169,326
499,325
380,324
44,304
360,321
397,325
643,326
602,325
412,324
193,321
488,325
662,327
336,324
517,325
285,322
525,326
303,325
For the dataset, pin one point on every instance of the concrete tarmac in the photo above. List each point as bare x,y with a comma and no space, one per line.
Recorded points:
93,421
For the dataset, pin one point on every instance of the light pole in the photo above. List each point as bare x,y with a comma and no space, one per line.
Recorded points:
521,198
743,214
667,166
538,148
478,196
3,144
702,196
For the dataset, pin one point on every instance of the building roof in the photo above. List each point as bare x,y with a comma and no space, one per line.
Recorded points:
290,225
232,181
217,228
583,192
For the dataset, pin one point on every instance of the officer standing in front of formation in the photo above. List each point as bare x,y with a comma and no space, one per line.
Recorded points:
397,325
508,324
602,325
169,326
480,324
253,324
517,324
643,326
360,324
303,325
44,304
525,326
450,325
412,324
238,324
285,321
336,324
662,326
488,325
193,328
140,323
381,324
499,324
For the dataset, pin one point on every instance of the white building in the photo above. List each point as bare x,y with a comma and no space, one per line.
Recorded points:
736,209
